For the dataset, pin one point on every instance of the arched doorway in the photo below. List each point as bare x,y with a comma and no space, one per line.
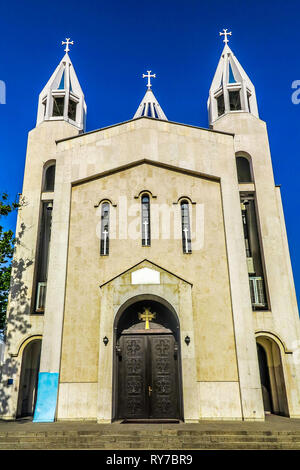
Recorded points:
271,376
147,366
29,378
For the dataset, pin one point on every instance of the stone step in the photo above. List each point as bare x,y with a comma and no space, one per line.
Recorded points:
231,442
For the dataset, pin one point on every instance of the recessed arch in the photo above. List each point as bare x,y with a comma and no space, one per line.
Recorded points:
105,200
145,191
147,361
271,367
275,337
31,352
244,167
49,176
145,297
24,343
181,198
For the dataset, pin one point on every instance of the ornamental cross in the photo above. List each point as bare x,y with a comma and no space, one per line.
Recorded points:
146,231
225,34
149,76
186,238
146,317
67,42
105,233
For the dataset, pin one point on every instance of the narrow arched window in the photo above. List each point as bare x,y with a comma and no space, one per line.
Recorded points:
146,233
186,227
104,243
243,170
49,178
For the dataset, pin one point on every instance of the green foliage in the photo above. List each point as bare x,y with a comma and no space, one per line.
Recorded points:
7,241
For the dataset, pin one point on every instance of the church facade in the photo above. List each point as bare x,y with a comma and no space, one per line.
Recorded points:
152,277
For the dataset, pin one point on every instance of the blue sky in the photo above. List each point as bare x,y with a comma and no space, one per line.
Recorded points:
116,41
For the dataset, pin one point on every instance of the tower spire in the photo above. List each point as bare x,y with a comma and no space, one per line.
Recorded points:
231,89
149,105
62,98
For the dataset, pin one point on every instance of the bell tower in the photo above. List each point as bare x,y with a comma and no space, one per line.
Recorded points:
61,114
232,107
62,98
231,89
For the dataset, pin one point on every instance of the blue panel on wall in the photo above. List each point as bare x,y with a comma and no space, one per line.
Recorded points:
46,397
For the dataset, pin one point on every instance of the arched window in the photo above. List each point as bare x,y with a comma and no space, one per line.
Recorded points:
49,178
186,228
243,170
146,233
104,243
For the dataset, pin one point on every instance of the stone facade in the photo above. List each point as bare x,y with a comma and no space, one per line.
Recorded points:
208,289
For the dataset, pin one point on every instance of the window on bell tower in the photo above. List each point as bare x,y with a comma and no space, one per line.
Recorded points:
58,106
72,109
220,104
234,100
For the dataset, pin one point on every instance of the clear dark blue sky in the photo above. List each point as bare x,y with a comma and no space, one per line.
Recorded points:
116,41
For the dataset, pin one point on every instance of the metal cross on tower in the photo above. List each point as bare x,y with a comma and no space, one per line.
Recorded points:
149,76
225,34
67,42
146,317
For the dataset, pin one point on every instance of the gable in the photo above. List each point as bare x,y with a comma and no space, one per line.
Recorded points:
146,161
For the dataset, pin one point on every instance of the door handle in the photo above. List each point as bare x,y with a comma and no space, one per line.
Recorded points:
149,390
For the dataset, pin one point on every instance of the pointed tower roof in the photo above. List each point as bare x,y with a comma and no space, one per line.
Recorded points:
231,89
62,98
149,105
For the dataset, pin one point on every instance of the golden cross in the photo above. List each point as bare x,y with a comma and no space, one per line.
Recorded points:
146,316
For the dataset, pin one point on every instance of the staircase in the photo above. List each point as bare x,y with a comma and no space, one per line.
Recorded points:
205,435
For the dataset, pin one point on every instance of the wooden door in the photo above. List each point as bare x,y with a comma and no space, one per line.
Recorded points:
148,377
163,377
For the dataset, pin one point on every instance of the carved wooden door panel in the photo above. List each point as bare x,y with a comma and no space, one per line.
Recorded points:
164,395
147,378
132,397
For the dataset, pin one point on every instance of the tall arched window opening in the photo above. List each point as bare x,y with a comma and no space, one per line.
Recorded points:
146,232
243,170
186,228
254,253
104,243
43,255
49,178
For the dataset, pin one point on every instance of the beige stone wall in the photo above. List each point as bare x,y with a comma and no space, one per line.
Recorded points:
22,323
206,269
281,321
219,299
